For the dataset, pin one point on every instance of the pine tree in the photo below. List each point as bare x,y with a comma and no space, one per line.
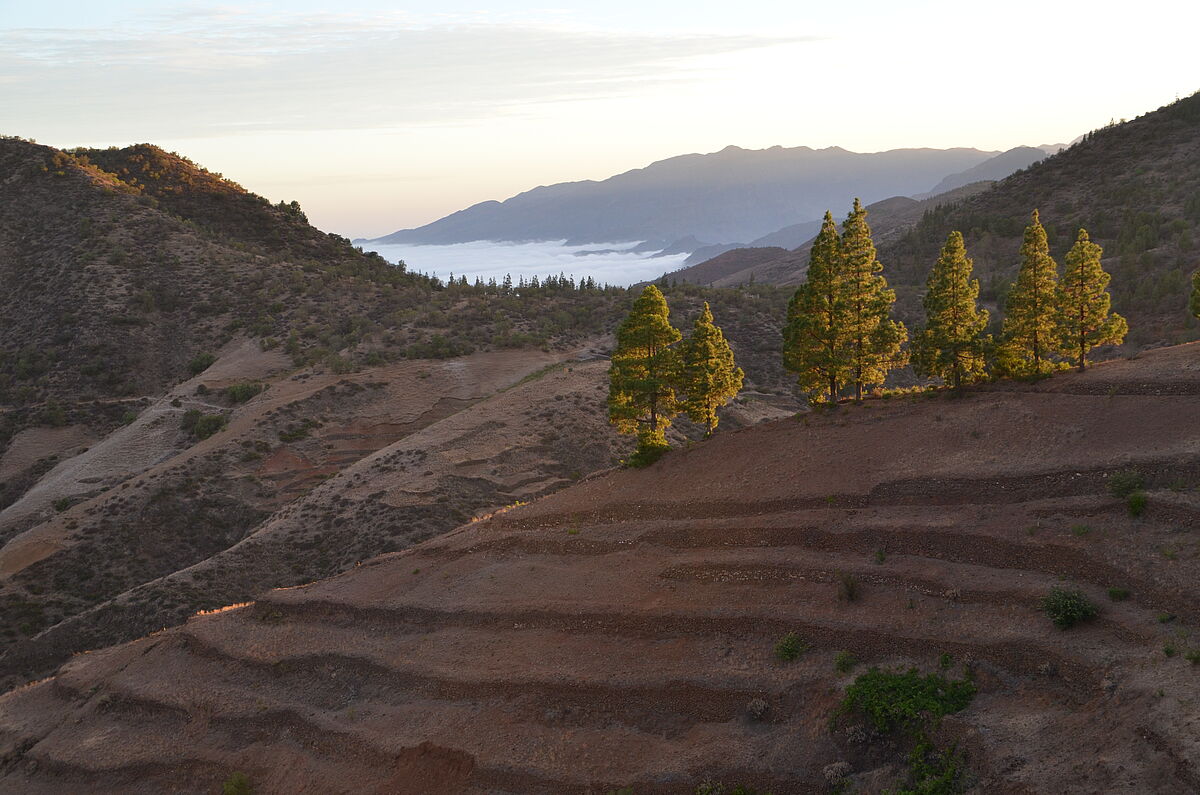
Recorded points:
641,395
1084,319
873,339
952,344
1031,312
813,338
708,375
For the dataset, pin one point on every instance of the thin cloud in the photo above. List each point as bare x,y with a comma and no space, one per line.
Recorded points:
211,74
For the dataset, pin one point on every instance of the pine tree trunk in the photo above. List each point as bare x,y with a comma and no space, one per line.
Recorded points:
1082,342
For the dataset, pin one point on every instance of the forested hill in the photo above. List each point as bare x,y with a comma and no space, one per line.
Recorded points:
1135,186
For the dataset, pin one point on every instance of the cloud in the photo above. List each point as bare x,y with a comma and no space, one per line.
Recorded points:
606,263
217,73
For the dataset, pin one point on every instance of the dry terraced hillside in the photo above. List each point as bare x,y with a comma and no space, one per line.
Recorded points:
619,633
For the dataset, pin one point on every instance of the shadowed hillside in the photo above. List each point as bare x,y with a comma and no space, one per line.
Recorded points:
183,364
1134,186
624,632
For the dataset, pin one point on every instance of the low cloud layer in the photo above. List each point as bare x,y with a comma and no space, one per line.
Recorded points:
214,74
489,260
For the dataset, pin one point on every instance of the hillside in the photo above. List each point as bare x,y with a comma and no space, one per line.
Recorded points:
732,195
773,264
1134,186
994,169
185,369
619,633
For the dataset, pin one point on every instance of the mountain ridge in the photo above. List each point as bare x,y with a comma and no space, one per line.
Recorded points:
733,194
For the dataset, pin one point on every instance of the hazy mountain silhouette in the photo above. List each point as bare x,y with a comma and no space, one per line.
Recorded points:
732,195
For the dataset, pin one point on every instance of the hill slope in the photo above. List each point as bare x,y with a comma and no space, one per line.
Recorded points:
1134,186
731,195
149,293
619,632
996,168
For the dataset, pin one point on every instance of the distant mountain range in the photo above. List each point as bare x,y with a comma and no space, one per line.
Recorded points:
714,202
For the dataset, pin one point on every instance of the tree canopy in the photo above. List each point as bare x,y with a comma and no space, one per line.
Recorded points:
814,342
1030,331
644,371
952,345
709,377
1084,302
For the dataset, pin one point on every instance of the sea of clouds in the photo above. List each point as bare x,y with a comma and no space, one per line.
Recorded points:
612,263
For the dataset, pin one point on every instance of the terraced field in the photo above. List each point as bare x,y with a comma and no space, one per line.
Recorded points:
620,633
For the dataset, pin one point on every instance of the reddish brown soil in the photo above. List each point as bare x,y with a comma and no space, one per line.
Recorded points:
615,633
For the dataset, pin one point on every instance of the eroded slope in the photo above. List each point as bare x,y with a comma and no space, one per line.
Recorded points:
619,632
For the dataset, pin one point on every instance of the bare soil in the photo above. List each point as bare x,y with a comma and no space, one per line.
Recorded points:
618,632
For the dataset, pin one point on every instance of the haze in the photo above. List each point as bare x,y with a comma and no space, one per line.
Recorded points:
376,119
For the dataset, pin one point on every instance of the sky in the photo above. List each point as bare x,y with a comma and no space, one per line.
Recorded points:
378,116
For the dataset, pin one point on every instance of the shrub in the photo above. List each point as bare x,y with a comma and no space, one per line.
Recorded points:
1136,503
1125,482
200,425
1068,608
647,453
844,662
1118,594
237,784
905,700
715,788
790,647
848,588
932,771
201,362
1193,656
62,504
240,393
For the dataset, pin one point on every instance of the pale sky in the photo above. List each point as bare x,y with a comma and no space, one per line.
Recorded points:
376,119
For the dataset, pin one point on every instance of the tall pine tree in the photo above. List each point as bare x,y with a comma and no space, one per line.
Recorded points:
814,346
951,346
1083,304
708,375
1029,333
873,339
641,394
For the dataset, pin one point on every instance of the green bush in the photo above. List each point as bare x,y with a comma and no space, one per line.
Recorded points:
844,662
201,425
240,393
932,771
716,788
237,784
648,451
790,647
1125,482
1136,503
905,700
200,363
1118,594
1068,608
849,589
